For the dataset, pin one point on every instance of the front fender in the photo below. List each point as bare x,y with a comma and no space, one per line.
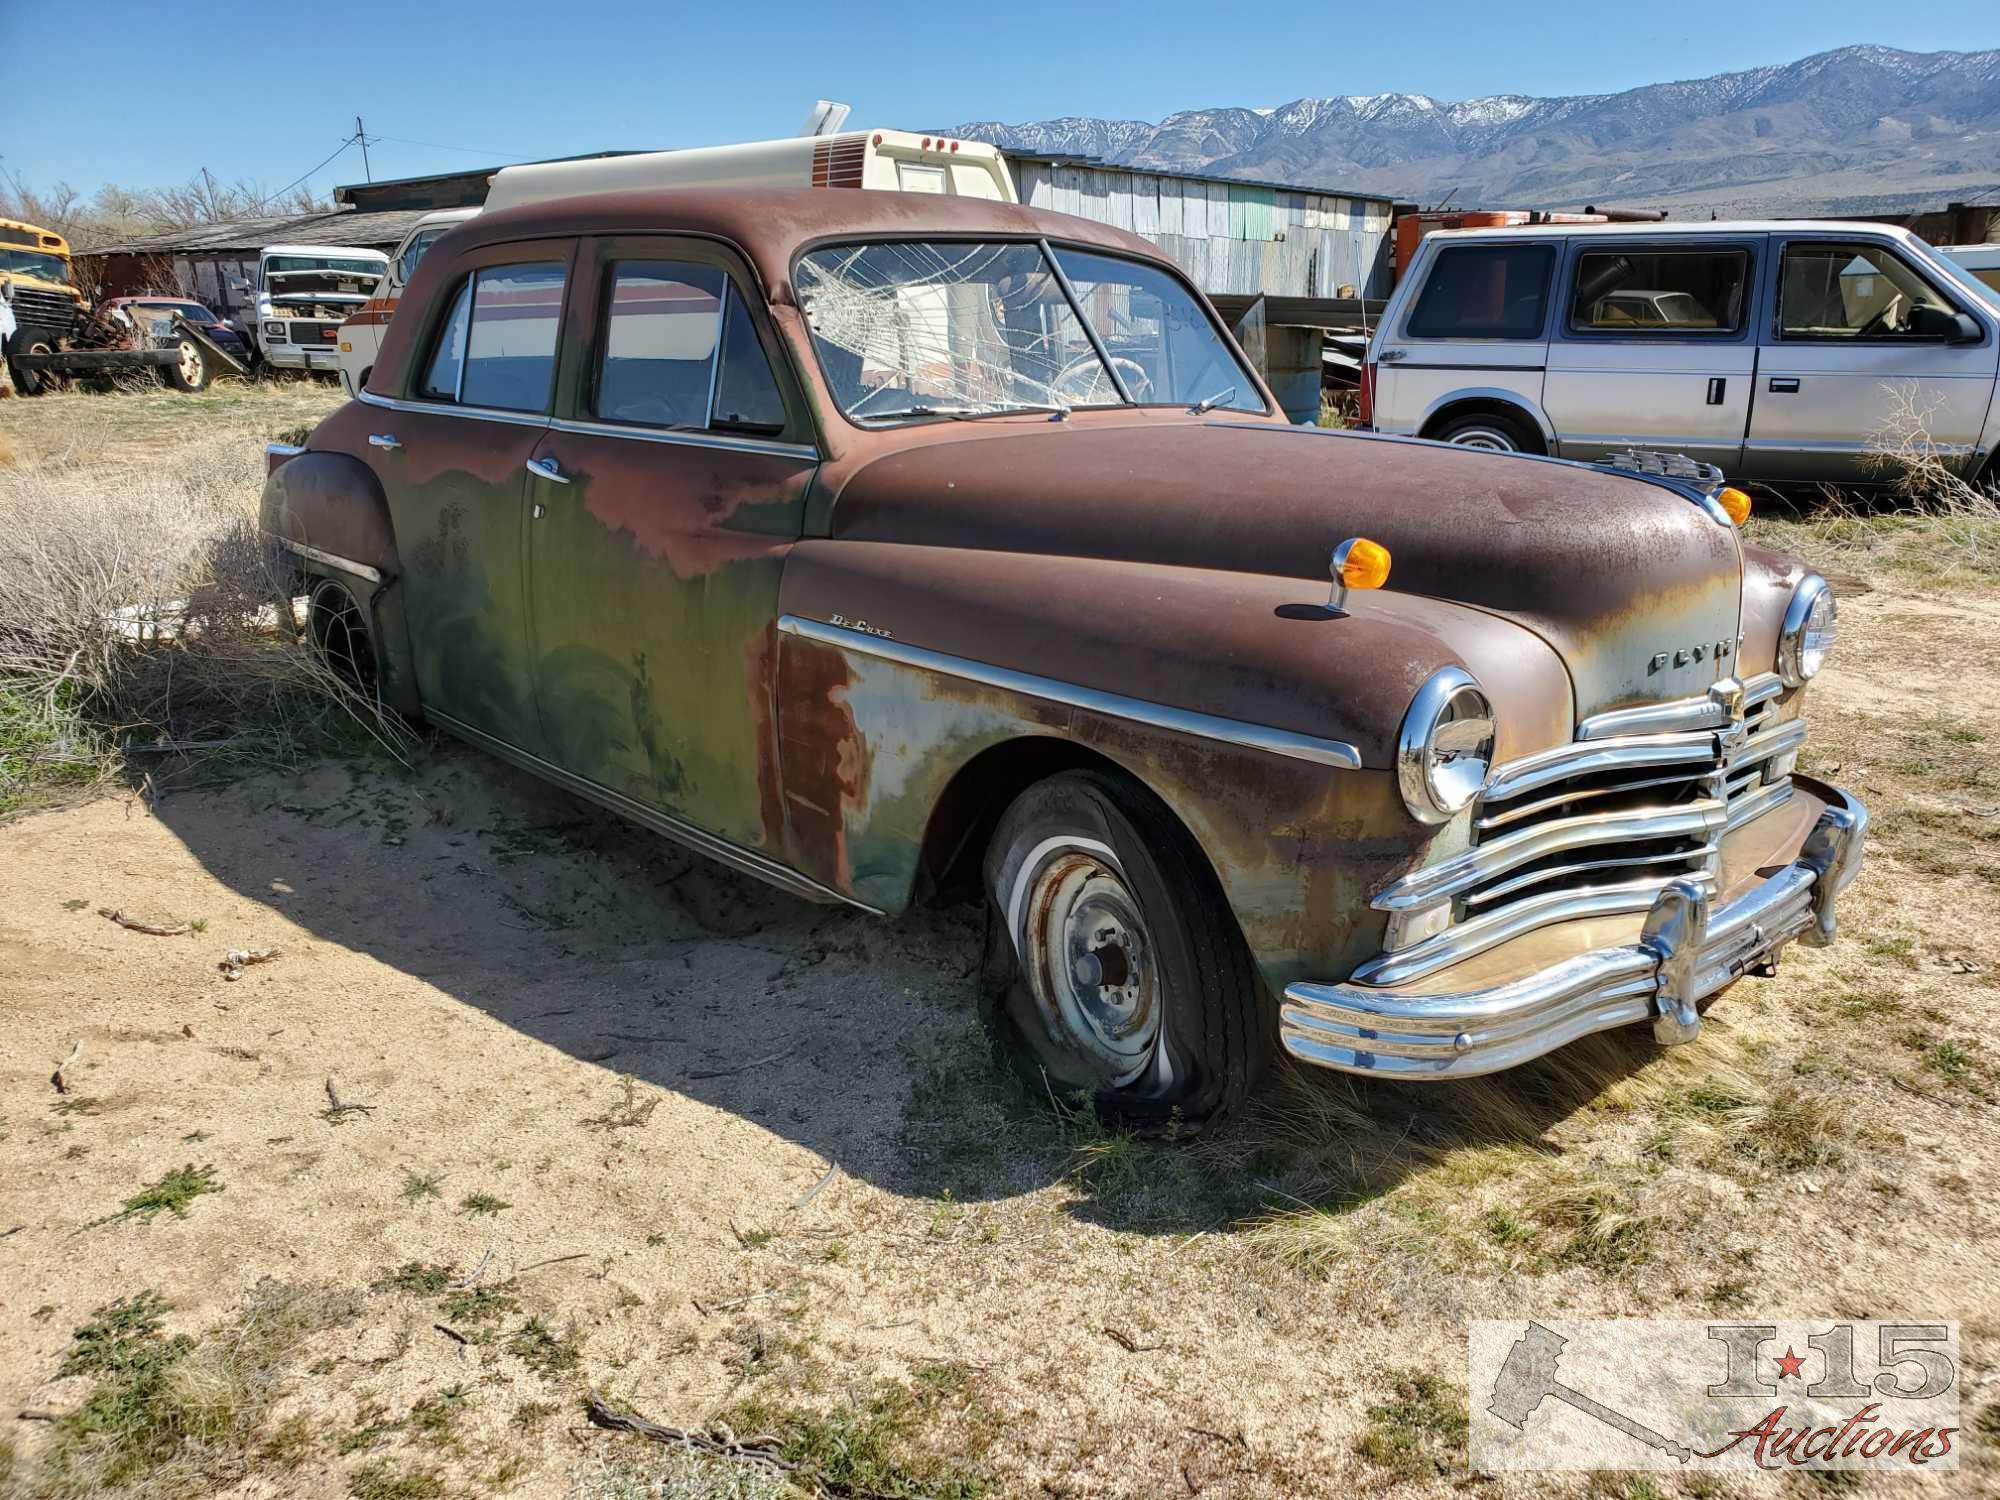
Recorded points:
870,737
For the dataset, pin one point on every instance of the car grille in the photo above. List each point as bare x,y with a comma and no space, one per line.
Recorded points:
314,333
43,312
1596,828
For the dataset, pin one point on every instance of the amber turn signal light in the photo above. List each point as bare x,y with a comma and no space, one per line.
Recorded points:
1357,563
1735,504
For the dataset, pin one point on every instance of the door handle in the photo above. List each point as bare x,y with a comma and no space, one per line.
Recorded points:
1390,356
1716,386
1784,385
547,468
383,440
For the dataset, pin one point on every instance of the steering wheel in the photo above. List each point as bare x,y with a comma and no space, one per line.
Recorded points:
1884,321
1138,384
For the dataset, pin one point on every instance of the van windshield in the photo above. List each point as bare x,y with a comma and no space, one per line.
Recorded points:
911,329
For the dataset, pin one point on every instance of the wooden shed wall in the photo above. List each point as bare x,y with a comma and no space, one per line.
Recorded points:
1230,237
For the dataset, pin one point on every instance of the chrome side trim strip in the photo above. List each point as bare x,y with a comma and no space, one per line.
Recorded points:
331,559
1453,876
282,450
1091,700
665,824
447,409
1564,761
688,439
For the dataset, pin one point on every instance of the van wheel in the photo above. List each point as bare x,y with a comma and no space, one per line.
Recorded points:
189,371
1490,431
1113,967
337,630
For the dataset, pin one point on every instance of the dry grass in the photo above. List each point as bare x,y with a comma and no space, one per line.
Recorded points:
140,608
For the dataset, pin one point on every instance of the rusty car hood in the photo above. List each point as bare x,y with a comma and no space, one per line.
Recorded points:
1614,573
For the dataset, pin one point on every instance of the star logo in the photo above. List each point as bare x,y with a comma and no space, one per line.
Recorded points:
1789,1364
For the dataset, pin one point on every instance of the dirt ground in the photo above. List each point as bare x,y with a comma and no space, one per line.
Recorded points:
529,1104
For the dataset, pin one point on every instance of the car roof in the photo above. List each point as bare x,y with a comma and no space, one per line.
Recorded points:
1669,229
770,225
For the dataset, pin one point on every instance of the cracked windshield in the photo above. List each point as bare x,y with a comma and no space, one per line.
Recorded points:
945,329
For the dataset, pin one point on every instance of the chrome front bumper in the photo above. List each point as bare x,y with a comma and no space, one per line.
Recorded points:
300,357
1685,952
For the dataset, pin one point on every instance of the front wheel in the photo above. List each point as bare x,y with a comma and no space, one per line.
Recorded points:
1113,966
32,382
189,371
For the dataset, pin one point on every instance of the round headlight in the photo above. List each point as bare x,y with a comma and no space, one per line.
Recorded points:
1807,636
1446,746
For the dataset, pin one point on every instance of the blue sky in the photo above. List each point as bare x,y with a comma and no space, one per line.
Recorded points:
450,85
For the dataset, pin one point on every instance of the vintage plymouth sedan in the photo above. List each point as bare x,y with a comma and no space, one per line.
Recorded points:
897,548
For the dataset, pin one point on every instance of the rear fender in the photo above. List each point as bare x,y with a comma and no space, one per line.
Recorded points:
327,512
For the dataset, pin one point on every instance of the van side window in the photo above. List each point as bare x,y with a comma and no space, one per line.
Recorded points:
1833,291
1485,292
680,351
1667,292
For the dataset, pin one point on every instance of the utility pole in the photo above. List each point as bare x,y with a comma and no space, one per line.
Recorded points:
362,136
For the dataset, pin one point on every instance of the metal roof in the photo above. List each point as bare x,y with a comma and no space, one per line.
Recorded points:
378,231
1101,164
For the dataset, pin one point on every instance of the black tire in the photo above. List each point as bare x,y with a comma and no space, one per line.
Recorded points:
1088,856
337,630
1494,431
190,371
31,382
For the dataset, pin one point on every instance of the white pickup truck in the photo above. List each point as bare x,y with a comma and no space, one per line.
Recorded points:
304,293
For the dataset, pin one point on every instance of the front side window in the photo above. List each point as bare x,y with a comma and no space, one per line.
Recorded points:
679,350
910,329
1484,292
1668,292
1833,291
413,253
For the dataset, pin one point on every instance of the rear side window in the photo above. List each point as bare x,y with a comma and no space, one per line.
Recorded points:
1671,293
498,344
680,351
1485,292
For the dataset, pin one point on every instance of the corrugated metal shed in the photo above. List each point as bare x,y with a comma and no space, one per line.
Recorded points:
375,231
1231,236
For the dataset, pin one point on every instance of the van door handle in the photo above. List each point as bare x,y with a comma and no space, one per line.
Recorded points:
1716,386
1784,385
547,468
383,440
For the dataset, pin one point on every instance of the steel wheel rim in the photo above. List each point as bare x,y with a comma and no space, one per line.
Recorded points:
1487,438
1092,966
190,362
340,634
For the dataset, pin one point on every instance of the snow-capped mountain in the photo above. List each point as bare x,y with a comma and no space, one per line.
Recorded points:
1852,129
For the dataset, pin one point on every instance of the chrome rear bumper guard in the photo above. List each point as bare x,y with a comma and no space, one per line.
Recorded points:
1686,952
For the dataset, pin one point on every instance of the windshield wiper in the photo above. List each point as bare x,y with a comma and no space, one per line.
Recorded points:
958,413
1209,403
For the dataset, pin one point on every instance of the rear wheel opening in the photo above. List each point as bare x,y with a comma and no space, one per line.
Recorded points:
1113,966
337,629
1492,431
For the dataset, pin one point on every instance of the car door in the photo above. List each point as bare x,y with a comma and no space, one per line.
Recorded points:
1655,347
1860,336
452,452
1477,329
668,492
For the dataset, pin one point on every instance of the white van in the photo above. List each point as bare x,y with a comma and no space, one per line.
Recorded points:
1771,350
1980,262
884,160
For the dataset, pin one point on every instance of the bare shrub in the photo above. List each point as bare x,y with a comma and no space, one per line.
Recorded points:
139,605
